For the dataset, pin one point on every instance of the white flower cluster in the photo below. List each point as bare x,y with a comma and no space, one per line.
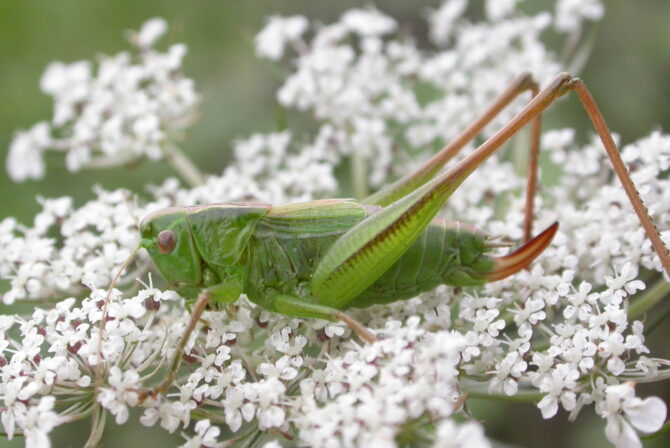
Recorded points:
577,297
92,241
382,93
372,395
571,13
125,108
570,330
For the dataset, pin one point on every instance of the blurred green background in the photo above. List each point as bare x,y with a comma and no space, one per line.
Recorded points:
628,74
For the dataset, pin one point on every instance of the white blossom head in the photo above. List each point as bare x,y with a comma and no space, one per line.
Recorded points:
570,332
123,108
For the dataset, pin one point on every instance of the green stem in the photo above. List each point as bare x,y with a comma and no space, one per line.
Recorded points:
16,434
648,299
359,174
578,49
98,163
235,441
663,376
257,434
97,426
202,413
480,390
280,117
183,165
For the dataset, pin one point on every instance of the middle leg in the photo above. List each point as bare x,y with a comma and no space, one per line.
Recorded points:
294,306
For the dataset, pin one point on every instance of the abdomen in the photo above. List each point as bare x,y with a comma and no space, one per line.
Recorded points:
445,253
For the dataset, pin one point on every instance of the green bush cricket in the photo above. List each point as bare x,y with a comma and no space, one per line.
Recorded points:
317,259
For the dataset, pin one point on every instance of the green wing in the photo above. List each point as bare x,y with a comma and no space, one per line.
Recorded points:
312,219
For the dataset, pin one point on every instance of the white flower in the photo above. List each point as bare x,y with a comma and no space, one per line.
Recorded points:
560,379
443,19
24,160
499,9
113,116
532,312
465,435
206,435
570,13
39,421
623,285
279,31
70,85
151,31
368,22
123,393
548,405
508,370
624,411
272,444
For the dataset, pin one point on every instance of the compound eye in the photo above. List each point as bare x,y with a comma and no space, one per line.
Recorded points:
166,241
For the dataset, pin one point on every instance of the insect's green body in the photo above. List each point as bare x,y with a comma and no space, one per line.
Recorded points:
264,251
287,244
318,258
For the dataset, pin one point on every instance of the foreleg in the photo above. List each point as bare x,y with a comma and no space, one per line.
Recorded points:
224,293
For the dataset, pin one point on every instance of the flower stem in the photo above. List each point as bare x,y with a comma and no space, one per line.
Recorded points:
480,390
359,174
183,165
651,297
97,426
256,435
660,376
